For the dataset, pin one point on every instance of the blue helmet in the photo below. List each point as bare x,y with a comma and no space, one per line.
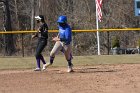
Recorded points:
62,19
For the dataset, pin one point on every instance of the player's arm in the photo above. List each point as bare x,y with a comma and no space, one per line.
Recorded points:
36,34
58,35
56,38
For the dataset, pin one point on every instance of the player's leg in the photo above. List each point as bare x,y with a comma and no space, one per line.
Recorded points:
41,45
63,50
37,54
43,61
67,53
38,65
57,47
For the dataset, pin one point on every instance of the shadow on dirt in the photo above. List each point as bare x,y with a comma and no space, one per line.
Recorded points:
94,70
86,70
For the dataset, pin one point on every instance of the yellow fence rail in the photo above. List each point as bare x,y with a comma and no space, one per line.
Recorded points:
93,30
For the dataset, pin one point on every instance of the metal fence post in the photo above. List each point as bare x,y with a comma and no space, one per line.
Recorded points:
22,45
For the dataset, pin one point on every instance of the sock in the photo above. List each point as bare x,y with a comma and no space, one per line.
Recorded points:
51,60
69,62
42,59
38,62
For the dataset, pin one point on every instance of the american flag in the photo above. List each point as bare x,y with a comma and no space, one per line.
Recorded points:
98,7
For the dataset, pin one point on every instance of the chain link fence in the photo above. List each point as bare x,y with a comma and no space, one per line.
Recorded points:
83,43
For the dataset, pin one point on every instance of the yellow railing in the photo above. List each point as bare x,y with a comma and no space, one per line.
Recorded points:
93,30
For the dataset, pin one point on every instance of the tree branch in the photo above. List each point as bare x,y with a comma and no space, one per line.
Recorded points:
2,1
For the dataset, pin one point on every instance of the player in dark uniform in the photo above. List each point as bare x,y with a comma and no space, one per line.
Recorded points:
42,35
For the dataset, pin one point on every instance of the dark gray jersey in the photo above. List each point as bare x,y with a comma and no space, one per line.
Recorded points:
43,31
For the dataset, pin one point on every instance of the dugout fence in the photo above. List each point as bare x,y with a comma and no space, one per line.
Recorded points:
84,42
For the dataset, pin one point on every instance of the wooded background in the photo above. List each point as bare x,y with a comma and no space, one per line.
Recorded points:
19,15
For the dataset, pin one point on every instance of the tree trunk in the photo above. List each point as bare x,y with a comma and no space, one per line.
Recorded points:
32,15
9,40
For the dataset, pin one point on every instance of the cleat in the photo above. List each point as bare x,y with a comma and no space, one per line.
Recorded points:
70,69
46,65
37,69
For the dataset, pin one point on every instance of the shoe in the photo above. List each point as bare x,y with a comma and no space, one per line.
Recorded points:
70,69
46,65
37,69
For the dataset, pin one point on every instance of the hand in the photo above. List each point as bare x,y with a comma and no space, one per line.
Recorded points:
33,36
55,39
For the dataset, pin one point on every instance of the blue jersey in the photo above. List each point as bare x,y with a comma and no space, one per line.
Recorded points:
65,34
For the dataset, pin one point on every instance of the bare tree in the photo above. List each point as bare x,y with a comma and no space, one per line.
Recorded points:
9,41
32,14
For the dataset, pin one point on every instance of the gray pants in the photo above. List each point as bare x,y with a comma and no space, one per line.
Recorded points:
61,46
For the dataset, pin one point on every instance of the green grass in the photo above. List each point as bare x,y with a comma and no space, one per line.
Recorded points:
30,62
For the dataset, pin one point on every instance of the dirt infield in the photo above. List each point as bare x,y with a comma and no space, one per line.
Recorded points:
124,78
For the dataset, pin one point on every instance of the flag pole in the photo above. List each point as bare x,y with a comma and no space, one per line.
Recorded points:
97,27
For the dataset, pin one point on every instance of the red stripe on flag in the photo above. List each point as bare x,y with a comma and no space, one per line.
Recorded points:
99,11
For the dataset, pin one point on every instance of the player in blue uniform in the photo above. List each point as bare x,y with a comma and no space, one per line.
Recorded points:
63,42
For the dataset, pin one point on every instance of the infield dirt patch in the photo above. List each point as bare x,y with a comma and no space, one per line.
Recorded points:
123,78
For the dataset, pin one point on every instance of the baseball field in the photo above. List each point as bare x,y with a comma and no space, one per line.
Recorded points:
92,74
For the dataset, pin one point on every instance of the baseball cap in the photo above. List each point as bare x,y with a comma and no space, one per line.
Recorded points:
39,17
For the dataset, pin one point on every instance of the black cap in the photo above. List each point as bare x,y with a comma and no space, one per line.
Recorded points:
42,17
